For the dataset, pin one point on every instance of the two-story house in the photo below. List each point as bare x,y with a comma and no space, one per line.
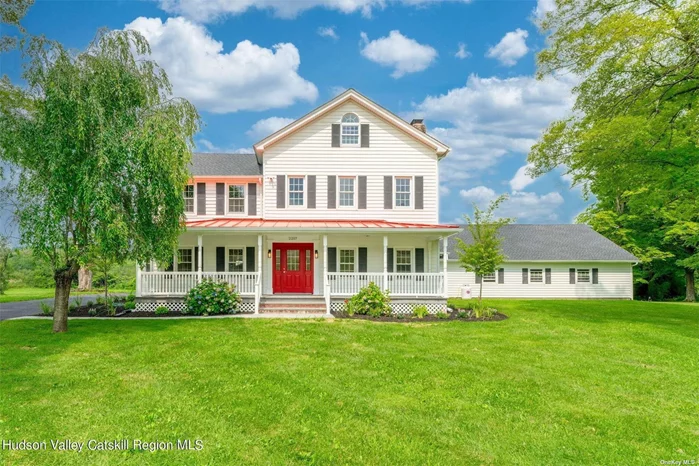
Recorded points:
345,195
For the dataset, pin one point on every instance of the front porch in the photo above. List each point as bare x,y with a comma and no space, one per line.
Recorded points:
326,265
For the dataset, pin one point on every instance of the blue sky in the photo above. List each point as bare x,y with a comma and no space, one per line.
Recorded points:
252,65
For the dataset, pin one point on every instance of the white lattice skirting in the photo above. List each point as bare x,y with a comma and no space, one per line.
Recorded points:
179,306
400,307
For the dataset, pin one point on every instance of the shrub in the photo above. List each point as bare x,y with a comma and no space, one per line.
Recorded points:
130,305
442,315
420,311
92,312
371,301
78,301
161,311
481,309
100,300
462,314
131,297
46,309
210,298
90,304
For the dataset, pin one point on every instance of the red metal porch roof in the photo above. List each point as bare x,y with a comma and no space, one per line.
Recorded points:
321,224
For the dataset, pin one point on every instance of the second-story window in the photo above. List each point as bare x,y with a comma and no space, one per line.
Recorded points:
295,190
402,192
350,130
346,191
236,198
189,198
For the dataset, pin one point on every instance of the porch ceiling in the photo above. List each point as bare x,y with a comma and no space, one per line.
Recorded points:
257,224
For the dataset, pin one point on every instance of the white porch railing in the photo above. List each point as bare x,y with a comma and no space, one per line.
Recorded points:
399,284
179,283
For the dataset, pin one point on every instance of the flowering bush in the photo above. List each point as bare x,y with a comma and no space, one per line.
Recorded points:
369,301
211,297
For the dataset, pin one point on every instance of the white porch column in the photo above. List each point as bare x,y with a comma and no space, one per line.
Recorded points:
385,262
200,242
326,285
444,265
138,280
258,280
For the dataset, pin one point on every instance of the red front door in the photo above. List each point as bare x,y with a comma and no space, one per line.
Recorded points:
293,268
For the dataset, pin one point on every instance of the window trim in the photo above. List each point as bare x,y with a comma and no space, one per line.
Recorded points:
531,276
355,250
228,259
589,276
176,266
344,124
194,199
288,192
411,193
354,192
395,259
228,199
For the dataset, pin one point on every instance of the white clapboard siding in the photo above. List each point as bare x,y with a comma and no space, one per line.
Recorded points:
211,203
615,281
391,152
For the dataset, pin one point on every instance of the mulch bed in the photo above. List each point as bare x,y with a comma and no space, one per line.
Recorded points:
153,314
428,318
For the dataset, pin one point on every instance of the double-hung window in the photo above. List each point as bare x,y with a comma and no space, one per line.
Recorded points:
184,260
347,259
235,260
403,192
189,198
404,261
489,277
536,276
296,190
583,275
346,191
350,130
236,198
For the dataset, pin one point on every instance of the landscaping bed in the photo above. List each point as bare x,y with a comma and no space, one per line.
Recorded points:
408,318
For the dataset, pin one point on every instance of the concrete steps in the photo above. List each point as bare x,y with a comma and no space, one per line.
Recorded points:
292,304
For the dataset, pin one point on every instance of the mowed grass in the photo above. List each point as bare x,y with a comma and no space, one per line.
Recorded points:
13,295
560,382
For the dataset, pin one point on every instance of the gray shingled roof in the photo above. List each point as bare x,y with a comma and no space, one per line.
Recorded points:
211,164
552,242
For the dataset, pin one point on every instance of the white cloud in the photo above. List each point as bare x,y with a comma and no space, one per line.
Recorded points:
264,128
523,206
462,52
337,90
543,7
328,32
490,118
211,10
511,48
404,54
204,145
249,77
444,190
521,179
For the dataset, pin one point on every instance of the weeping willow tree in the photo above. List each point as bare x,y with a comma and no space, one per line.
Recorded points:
103,151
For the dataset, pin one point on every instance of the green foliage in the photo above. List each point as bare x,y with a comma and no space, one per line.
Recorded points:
161,311
442,315
5,253
211,297
462,314
100,300
130,305
420,311
131,298
371,301
92,312
45,309
29,270
481,309
11,13
483,254
90,304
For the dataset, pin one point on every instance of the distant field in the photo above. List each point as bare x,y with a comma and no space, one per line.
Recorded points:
27,294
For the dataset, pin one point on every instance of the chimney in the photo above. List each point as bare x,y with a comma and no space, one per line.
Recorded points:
418,123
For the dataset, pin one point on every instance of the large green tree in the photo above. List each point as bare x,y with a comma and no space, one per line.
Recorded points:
633,133
103,150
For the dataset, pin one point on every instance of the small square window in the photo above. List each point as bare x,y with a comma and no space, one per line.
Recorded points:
236,198
489,277
235,260
536,276
346,192
189,198
295,190
402,192
347,260
403,261
584,275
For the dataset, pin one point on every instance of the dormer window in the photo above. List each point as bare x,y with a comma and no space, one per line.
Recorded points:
350,130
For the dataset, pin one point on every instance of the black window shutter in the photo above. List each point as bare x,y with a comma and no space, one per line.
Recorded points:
388,192
595,276
525,276
332,259
335,135
479,278
389,258
220,199
548,276
196,259
311,201
365,135
362,260
571,273
362,192
281,191
250,259
332,191
201,198
419,192
220,259
252,199
501,276
419,260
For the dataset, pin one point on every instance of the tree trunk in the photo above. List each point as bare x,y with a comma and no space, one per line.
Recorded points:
63,279
480,291
691,293
84,279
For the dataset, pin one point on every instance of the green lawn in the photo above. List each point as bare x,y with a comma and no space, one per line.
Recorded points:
28,294
560,382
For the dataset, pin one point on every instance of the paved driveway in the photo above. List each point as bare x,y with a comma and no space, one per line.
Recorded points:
30,308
